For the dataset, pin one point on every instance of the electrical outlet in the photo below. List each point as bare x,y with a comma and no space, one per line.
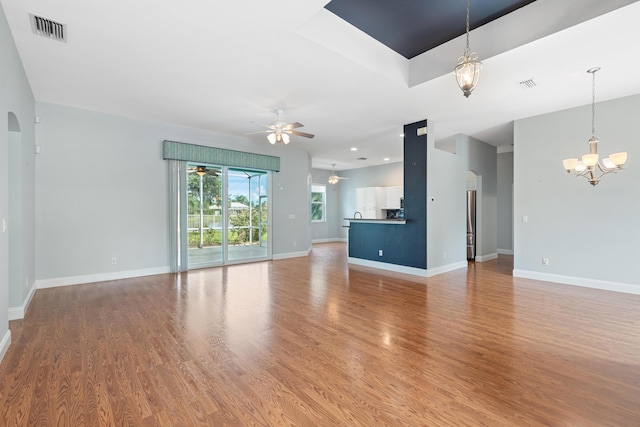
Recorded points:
545,261
114,260
379,252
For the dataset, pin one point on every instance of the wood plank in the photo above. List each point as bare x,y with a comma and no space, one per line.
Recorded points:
315,341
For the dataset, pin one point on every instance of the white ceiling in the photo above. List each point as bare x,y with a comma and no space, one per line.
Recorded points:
226,66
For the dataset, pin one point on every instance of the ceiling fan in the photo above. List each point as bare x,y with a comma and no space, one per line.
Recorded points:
333,178
201,170
279,131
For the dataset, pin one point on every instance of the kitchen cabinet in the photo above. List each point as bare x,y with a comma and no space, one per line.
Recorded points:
393,195
369,202
372,202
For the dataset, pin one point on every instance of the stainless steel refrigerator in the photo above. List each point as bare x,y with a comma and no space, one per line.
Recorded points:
471,225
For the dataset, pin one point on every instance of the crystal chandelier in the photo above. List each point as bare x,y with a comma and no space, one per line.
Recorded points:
589,165
468,69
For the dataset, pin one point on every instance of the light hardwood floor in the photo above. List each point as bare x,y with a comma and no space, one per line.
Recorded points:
314,342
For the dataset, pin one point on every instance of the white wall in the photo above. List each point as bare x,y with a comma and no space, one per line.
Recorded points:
446,214
291,197
16,99
589,234
505,203
102,192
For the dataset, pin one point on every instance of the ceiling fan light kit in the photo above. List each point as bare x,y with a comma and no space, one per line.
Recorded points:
586,167
279,131
278,136
202,171
333,178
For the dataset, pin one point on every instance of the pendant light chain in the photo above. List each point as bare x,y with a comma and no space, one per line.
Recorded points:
467,49
467,71
593,105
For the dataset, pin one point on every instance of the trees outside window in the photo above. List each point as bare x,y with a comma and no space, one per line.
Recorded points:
204,212
318,203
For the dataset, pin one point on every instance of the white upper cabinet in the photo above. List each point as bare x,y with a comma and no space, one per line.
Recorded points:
392,197
370,201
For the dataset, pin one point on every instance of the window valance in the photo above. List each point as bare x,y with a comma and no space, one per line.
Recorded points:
172,150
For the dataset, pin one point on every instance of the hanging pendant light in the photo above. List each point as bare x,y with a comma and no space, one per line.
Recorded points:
587,166
468,69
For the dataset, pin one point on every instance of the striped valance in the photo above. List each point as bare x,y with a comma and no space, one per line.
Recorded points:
172,150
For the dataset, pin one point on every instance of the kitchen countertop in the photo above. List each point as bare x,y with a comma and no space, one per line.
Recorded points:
377,221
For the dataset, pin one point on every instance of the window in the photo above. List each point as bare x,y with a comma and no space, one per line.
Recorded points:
318,203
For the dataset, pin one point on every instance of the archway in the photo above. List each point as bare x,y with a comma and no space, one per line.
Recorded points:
14,171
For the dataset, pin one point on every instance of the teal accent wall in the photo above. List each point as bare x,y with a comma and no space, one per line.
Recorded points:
402,244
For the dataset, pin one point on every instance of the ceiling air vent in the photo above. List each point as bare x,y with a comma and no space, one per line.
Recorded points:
528,84
47,28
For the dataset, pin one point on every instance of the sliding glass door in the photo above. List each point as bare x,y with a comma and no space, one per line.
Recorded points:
204,215
228,215
248,215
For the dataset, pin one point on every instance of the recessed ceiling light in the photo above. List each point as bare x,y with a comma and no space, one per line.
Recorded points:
386,159
354,148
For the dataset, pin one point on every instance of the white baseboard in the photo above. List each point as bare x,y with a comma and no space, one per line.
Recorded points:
505,252
4,344
446,268
579,281
336,239
485,258
291,254
16,313
103,277
407,270
389,267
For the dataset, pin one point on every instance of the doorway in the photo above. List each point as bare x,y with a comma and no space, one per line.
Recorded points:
17,269
474,214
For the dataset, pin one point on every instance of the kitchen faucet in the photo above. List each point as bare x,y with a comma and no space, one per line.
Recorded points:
357,213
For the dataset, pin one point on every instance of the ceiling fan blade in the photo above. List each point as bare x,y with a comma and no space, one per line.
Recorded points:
259,131
290,126
295,132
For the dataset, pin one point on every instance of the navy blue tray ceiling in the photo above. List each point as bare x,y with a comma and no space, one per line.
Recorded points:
412,27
